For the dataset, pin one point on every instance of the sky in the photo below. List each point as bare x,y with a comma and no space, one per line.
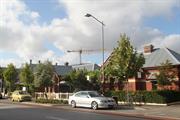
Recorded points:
46,29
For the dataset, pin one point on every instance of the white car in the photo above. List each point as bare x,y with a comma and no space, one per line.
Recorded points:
91,99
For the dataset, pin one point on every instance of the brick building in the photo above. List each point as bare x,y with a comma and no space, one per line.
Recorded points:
146,78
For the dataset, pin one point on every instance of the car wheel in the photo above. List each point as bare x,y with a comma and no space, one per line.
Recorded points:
94,105
73,104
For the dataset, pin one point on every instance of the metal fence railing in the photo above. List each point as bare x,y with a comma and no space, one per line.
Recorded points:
58,96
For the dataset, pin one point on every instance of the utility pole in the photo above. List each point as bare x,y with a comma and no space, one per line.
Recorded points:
101,22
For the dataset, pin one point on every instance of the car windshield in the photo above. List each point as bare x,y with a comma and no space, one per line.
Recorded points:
94,94
23,92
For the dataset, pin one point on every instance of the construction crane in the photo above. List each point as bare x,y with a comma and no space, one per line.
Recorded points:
80,53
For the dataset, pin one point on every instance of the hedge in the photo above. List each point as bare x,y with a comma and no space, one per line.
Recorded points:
51,101
165,96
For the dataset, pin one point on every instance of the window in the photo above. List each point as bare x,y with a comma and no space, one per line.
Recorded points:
94,94
154,84
139,75
22,92
78,94
84,94
81,94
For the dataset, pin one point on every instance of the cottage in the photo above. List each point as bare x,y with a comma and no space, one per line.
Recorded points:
61,70
146,78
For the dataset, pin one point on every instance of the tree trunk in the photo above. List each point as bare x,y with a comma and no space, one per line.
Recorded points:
127,91
45,92
119,85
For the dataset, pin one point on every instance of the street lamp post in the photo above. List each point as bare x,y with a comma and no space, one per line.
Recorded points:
101,22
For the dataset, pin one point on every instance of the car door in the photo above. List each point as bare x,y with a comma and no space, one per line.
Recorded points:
15,95
77,99
85,99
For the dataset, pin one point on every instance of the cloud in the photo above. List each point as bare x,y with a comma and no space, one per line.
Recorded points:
119,17
16,35
171,41
34,15
18,63
21,32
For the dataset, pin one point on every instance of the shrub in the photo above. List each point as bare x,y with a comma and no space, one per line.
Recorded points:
51,101
165,96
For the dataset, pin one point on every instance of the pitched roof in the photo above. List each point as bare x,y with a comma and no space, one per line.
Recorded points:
160,55
59,69
88,67
62,70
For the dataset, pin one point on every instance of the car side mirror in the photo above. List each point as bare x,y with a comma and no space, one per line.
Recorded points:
87,96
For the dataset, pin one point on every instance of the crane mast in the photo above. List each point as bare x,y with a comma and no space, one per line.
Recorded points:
82,51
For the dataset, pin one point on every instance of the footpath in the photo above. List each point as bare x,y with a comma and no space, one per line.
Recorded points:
171,112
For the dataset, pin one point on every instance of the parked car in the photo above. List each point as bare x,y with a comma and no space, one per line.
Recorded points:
91,99
19,96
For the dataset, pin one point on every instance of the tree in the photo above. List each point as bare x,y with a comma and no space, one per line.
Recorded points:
1,78
124,62
94,79
1,72
43,75
77,80
26,77
166,74
10,76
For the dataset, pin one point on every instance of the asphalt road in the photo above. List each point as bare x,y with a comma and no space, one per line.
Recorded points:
16,111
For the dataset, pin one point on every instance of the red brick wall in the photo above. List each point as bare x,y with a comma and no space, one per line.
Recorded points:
179,76
138,84
148,86
132,86
169,87
154,70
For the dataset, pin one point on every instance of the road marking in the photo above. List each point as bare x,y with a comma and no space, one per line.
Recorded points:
54,118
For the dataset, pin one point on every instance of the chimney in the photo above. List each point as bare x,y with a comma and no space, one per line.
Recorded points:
66,64
39,61
30,62
148,48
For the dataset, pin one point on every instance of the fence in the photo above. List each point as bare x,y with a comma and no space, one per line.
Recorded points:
58,96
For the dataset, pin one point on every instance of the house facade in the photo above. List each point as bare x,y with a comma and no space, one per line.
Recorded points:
61,70
86,66
146,78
